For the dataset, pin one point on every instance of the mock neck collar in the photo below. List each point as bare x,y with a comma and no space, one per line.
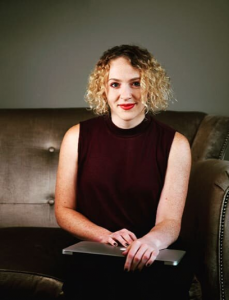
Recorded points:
129,132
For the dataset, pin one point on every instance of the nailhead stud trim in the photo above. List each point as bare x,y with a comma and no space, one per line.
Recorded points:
221,237
222,152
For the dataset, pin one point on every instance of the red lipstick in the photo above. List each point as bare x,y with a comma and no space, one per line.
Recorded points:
127,106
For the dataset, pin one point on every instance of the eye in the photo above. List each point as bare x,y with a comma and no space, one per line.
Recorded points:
136,83
115,84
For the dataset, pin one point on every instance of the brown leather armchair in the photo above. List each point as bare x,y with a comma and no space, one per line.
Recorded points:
31,261
206,219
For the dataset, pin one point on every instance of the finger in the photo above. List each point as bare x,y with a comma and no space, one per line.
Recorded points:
125,239
112,241
132,236
145,259
152,258
118,237
131,253
127,235
137,262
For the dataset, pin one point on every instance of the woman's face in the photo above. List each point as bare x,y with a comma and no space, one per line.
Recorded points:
123,94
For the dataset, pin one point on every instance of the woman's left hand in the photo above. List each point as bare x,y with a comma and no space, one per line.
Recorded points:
139,254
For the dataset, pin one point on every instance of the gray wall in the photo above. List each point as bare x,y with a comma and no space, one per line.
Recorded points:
49,47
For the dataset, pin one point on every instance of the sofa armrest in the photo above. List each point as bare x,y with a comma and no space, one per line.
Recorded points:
205,226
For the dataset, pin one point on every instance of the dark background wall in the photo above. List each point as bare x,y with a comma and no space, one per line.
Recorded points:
49,47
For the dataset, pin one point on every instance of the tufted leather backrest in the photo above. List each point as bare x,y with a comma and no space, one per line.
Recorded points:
29,148
208,134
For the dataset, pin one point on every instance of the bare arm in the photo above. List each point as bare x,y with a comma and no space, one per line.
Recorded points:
66,192
174,193
66,197
170,209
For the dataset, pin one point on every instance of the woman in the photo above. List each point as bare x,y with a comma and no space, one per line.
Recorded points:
123,176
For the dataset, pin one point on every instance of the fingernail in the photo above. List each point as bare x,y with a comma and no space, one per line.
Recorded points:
115,244
126,244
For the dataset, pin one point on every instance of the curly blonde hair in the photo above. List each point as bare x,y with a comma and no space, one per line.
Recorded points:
155,84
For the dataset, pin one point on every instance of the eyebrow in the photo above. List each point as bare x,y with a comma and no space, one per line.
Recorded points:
115,79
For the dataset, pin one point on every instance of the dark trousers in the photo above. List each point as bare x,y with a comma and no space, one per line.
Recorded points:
89,276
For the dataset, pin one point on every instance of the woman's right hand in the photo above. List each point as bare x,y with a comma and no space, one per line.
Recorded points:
122,237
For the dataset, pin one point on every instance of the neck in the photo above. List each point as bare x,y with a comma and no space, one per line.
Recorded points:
127,123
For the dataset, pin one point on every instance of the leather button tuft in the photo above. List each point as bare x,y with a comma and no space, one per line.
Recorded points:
51,149
51,201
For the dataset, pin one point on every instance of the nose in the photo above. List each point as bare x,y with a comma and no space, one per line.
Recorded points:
125,92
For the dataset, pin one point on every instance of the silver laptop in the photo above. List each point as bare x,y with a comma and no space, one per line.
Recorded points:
167,256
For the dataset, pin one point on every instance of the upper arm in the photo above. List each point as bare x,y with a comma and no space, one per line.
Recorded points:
67,170
175,187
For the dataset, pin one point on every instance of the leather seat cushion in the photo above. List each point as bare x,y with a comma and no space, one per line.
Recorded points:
31,261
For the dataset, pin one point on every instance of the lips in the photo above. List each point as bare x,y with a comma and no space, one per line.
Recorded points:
127,106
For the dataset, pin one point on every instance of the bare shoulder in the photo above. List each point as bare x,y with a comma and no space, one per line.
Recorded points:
71,135
69,145
180,142
72,132
180,149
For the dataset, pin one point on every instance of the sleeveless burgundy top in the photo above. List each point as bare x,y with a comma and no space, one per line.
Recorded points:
121,172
